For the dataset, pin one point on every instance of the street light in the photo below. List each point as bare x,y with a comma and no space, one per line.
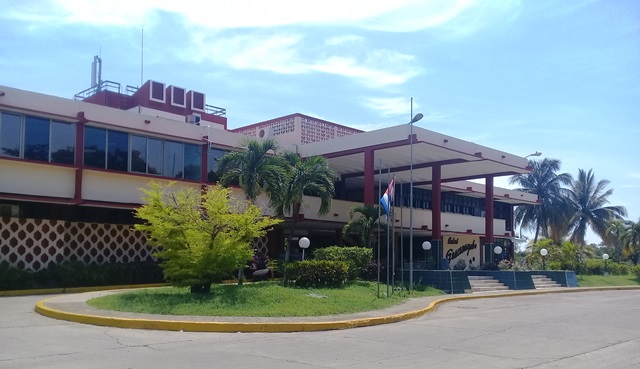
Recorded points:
497,250
415,118
537,153
544,253
605,257
426,246
304,244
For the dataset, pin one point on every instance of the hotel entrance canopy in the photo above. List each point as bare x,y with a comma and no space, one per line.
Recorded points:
361,156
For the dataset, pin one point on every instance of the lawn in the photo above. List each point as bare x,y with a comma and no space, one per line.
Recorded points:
610,280
257,299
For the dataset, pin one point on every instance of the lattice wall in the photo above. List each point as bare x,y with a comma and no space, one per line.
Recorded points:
313,130
35,244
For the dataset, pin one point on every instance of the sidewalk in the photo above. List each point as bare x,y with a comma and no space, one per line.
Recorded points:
73,307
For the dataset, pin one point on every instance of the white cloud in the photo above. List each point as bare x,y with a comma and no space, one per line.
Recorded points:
390,107
339,40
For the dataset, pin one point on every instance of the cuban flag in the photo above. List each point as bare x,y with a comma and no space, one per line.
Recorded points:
386,200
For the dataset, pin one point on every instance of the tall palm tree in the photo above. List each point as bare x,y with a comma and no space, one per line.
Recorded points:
588,200
547,184
364,224
311,176
616,232
256,169
631,241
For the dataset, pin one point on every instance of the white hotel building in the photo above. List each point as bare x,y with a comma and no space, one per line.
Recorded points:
71,172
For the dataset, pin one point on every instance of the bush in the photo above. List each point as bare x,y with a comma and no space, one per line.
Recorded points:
490,266
370,273
556,265
12,278
319,273
358,259
636,271
460,265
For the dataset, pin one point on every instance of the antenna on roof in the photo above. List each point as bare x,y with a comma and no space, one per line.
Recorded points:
142,56
96,72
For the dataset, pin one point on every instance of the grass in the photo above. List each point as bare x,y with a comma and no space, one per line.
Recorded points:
257,299
610,280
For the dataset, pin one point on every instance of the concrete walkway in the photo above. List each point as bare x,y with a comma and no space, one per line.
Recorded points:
73,307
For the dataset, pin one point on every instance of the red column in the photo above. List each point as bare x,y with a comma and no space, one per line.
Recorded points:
79,158
369,172
436,202
488,211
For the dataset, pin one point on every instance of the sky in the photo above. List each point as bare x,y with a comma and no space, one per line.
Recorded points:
559,77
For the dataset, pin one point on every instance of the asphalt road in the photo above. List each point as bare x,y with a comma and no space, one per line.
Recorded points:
587,330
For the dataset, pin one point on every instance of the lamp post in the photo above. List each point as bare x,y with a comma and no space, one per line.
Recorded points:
543,253
497,250
415,118
304,244
426,246
605,257
537,153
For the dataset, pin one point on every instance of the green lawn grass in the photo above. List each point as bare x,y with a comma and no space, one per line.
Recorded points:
610,280
257,299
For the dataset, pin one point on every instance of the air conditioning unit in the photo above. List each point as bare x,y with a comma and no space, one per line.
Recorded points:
194,118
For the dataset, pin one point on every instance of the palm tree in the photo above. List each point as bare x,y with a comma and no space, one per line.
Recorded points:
311,176
255,168
631,241
364,224
588,200
547,184
616,232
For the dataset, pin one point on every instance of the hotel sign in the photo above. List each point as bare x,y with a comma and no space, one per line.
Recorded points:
462,247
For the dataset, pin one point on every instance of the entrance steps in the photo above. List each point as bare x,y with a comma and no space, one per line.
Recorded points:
542,281
484,284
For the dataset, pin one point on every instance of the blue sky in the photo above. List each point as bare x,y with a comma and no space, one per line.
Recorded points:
560,77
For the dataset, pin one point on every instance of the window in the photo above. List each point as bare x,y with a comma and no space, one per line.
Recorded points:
173,159
212,164
117,150
154,156
63,142
10,133
192,162
95,144
36,138
146,155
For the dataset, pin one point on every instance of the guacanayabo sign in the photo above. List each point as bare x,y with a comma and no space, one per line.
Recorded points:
462,247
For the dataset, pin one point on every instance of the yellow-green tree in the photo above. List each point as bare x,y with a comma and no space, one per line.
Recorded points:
202,236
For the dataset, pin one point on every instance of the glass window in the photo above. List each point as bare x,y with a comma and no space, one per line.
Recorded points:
154,156
173,159
192,162
138,154
63,142
10,132
212,164
117,150
95,143
36,138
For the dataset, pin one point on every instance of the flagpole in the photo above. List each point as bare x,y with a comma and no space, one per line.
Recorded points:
401,240
390,205
393,236
379,192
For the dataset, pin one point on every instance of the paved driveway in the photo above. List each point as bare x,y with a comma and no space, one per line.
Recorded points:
570,330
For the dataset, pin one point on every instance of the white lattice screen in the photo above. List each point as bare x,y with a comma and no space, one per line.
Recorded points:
34,244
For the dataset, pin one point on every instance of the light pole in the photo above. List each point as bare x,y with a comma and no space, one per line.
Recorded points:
426,246
605,257
537,153
497,250
543,253
416,118
304,244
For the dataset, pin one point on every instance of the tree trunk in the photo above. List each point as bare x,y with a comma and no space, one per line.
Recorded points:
203,288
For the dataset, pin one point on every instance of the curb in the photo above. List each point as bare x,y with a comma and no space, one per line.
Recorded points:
280,327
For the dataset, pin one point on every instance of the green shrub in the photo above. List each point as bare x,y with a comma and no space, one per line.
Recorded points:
358,259
618,268
636,271
319,273
12,278
460,265
489,266
555,265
